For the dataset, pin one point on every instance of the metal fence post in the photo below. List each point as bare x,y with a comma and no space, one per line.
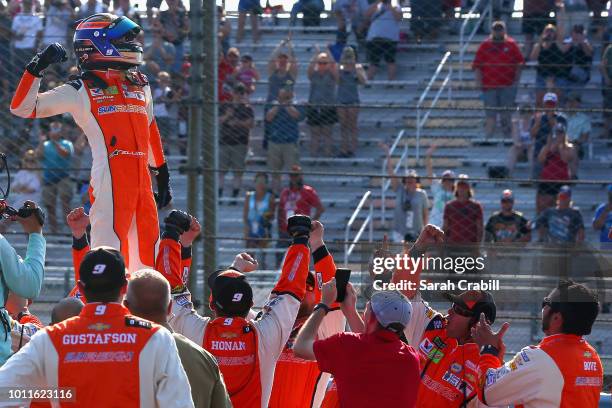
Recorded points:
209,143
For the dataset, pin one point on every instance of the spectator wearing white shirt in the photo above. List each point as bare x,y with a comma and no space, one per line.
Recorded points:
58,18
578,128
350,15
383,36
26,30
165,106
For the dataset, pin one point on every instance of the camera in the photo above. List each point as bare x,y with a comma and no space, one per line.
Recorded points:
23,212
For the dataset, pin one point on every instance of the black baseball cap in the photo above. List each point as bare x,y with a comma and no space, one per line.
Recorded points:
102,269
230,292
476,301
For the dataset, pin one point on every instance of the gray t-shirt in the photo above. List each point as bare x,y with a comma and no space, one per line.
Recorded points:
562,224
348,87
408,214
322,88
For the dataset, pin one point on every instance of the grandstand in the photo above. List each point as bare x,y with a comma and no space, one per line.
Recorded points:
388,108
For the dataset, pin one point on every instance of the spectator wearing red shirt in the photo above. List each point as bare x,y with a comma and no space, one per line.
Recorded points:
463,217
227,74
373,367
497,66
298,198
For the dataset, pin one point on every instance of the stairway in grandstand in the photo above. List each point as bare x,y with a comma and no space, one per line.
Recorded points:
458,134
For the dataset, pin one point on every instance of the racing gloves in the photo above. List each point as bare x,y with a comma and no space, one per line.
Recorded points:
164,192
298,227
175,224
53,54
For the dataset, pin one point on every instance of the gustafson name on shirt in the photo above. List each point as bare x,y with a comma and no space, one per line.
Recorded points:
99,338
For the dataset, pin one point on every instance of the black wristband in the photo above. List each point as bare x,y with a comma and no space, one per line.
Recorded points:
489,349
323,306
80,243
185,252
319,253
301,239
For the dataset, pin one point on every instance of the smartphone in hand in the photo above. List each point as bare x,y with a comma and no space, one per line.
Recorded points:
342,278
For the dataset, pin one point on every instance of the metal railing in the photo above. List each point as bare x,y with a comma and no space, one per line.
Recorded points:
470,17
349,246
421,117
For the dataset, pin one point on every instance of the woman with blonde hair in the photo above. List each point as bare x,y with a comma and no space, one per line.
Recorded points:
350,76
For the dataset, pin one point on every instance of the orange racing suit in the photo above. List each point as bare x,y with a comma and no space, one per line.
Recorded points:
247,350
122,133
299,383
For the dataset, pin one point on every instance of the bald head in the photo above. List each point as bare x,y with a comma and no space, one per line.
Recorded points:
148,295
65,309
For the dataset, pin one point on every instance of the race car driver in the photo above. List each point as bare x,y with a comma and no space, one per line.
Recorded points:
247,349
299,383
449,357
563,371
111,102
107,356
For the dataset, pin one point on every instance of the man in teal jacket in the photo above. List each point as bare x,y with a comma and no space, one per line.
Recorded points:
23,277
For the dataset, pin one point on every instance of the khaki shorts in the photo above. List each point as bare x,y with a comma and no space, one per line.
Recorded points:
62,189
232,157
282,155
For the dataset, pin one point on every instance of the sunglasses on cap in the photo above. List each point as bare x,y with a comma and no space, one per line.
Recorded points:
462,311
548,302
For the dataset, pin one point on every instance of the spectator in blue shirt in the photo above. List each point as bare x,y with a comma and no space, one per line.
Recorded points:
283,118
56,156
602,220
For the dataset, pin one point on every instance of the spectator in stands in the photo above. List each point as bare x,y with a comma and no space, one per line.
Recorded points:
160,51
247,73
283,117
148,297
282,70
165,106
383,36
56,155
257,215
311,12
580,58
228,66
372,363
563,223
602,220
26,31
568,314
463,217
411,211
442,190
26,182
65,309
297,198
175,24
352,13
556,159
542,126
497,66
578,128
426,18
59,16
350,76
536,16
321,113
552,60
91,7
507,225
253,8
225,29
236,119
124,8
522,143
606,89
